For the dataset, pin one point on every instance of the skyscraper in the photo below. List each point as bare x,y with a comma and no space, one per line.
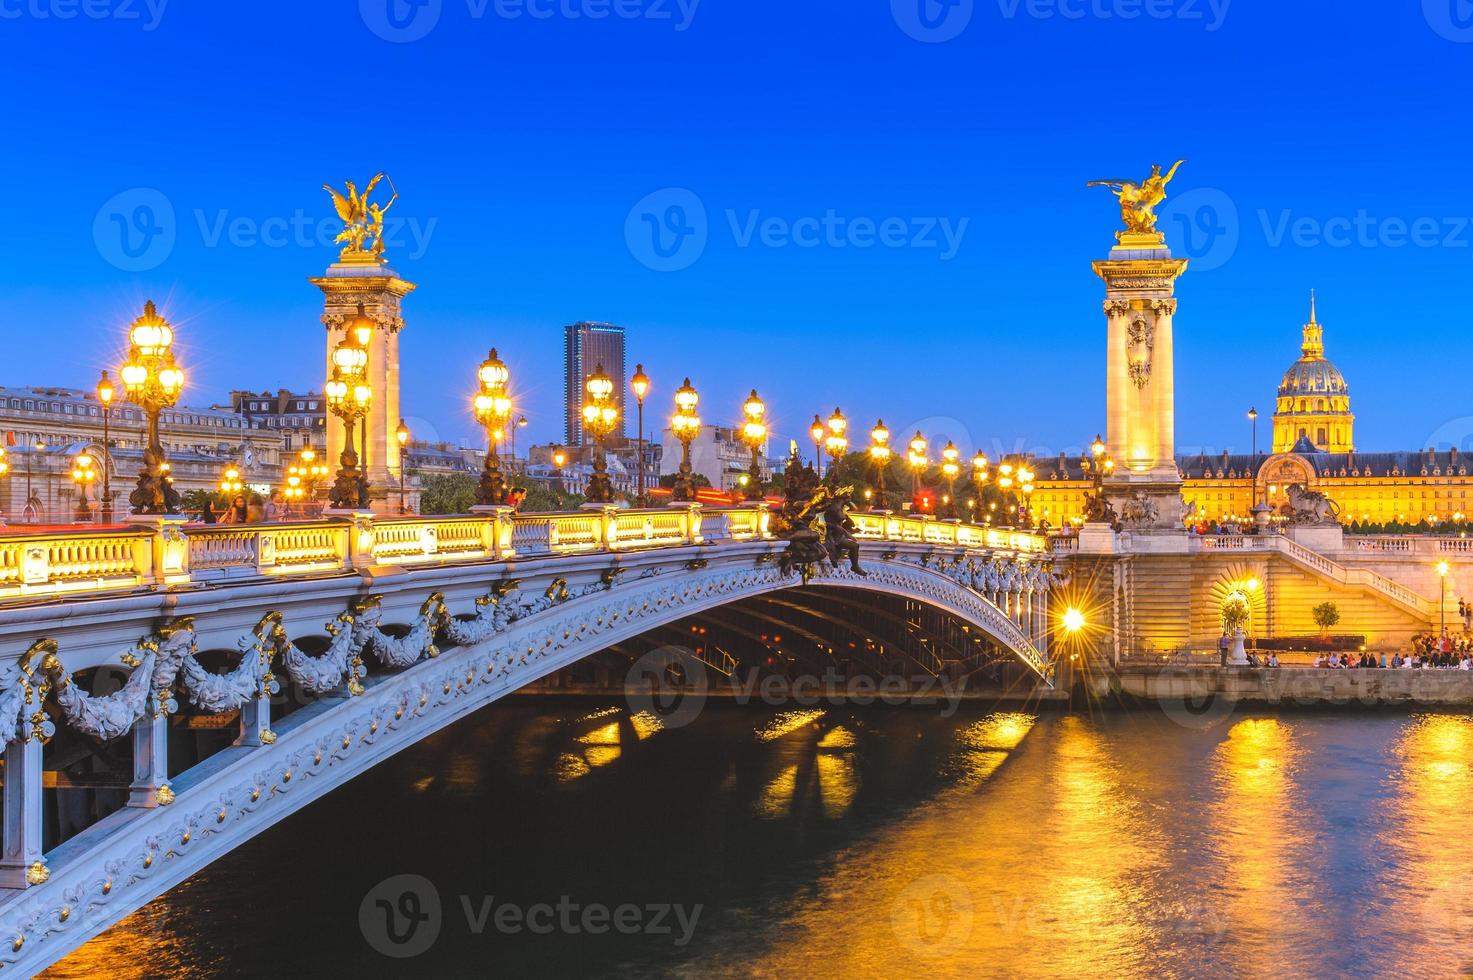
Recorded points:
586,347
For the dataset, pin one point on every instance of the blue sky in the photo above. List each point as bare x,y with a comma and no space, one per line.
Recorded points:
1327,146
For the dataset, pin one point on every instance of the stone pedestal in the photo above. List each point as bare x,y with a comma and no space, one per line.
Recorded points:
1324,539
361,277
1096,539
1238,652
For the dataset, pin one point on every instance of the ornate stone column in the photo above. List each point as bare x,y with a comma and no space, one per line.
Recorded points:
367,279
1140,280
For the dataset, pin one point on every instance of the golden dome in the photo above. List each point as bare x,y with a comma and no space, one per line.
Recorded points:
1312,374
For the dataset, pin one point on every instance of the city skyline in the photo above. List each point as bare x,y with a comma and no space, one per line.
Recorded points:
514,235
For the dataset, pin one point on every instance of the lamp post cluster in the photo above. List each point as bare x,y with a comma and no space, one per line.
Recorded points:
640,385
686,424
153,382
754,434
1099,465
84,474
600,415
493,407
349,396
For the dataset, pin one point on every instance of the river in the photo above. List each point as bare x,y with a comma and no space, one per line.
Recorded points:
568,840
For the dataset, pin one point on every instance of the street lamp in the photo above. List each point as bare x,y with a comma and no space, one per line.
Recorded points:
105,395
918,462
950,469
153,382
559,460
402,435
879,451
600,415
837,442
230,481
39,446
83,474
493,410
349,397
754,434
1253,494
1442,570
817,431
640,384
1025,484
4,472
1100,465
686,424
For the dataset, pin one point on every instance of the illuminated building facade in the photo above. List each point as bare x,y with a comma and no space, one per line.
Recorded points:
1313,446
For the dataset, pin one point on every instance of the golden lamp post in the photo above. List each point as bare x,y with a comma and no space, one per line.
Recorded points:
640,385
600,415
686,424
918,462
754,434
492,407
559,460
230,481
348,397
879,451
1025,486
837,442
1442,570
401,435
105,394
817,431
1100,465
83,475
950,469
153,382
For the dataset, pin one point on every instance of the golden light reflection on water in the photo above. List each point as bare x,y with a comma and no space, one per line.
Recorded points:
1258,824
1432,811
787,722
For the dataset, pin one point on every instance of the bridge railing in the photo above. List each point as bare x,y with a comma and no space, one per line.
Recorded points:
170,552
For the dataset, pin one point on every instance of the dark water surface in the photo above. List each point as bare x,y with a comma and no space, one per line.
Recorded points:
842,842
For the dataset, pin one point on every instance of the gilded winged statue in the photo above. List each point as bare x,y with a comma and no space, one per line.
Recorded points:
360,217
1138,201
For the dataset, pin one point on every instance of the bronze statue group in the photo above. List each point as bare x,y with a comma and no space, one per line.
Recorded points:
814,520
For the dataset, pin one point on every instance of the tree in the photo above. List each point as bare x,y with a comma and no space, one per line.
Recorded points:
541,499
448,493
1326,615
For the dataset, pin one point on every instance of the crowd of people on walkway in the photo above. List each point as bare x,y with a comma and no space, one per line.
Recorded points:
1428,652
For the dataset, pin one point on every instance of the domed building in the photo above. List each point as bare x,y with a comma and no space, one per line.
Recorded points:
1313,405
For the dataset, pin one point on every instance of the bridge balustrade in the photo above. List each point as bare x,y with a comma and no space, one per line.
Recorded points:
173,553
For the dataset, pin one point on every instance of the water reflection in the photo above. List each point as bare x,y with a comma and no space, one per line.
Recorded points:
1256,828
1431,879
878,843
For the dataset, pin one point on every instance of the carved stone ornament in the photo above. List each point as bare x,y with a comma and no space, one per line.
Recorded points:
1140,344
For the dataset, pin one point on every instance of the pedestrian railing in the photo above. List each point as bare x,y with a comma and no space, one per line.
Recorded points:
173,552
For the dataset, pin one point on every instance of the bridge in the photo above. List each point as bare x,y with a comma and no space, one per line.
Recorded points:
383,630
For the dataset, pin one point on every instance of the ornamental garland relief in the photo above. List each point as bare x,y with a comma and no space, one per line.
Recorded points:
1140,344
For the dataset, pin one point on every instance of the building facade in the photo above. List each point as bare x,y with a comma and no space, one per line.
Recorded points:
45,429
586,348
301,419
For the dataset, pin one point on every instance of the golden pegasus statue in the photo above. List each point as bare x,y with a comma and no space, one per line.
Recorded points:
361,218
1138,201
